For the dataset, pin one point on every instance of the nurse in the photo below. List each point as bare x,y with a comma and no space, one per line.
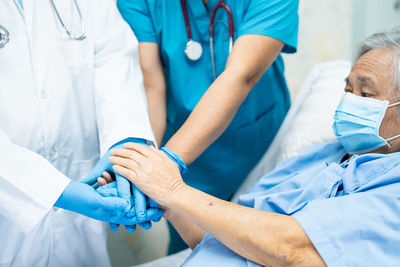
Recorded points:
216,105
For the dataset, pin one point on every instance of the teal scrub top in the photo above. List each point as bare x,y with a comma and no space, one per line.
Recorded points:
224,165
349,210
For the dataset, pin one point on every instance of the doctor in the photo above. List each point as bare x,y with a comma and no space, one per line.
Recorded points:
215,82
70,88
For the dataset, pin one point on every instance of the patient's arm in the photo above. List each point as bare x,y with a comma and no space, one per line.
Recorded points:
189,231
269,239
266,238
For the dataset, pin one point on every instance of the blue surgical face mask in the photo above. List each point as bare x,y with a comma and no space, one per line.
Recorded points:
357,122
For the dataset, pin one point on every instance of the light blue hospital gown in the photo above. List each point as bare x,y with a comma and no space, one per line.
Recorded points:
350,210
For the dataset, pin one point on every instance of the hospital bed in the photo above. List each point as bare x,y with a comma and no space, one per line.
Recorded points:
309,121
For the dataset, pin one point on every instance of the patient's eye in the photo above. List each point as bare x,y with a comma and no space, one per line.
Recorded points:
364,94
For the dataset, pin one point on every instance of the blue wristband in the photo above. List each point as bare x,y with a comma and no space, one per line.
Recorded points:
174,157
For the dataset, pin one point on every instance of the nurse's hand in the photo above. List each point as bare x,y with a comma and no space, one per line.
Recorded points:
149,169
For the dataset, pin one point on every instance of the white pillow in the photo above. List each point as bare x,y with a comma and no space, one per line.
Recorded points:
314,117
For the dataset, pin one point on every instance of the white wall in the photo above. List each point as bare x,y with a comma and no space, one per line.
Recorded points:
330,29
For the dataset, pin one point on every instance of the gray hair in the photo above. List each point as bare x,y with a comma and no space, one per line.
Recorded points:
385,39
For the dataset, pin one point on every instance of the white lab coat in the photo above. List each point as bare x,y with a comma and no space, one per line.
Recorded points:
62,103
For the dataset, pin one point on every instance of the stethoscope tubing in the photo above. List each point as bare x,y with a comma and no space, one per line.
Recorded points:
68,32
222,5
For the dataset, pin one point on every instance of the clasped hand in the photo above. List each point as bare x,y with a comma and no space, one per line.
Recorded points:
152,171
139,209
157,173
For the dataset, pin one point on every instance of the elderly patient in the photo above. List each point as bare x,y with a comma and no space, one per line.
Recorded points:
337,204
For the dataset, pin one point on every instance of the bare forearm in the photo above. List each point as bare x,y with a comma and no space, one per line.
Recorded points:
210,118
266,238
154,83
250,58
157,112
190,232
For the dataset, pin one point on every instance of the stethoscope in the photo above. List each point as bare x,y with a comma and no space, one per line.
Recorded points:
5,35
193,49
68,34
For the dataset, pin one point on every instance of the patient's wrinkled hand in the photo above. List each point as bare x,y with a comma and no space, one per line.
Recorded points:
149,169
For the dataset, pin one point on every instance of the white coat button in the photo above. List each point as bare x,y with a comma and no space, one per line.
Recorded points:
55,209
43,95
52,153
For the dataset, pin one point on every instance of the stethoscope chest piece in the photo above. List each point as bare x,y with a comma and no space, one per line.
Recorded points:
4,36
193,50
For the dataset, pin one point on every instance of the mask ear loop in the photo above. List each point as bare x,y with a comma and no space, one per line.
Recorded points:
396,136
391,138
394,104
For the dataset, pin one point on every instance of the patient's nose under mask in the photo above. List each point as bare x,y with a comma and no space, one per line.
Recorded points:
357,122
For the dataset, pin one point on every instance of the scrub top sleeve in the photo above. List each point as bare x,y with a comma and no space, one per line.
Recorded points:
355,230
137,14
121,107
274,18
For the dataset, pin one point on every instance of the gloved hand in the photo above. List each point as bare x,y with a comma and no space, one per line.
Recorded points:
127,190
123,185
104,165
84,199
110,190
151,214
175,158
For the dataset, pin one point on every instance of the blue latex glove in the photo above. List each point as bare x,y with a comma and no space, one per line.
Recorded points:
104,165
123,185
152,213
110,190
175,158
83,199
136,198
